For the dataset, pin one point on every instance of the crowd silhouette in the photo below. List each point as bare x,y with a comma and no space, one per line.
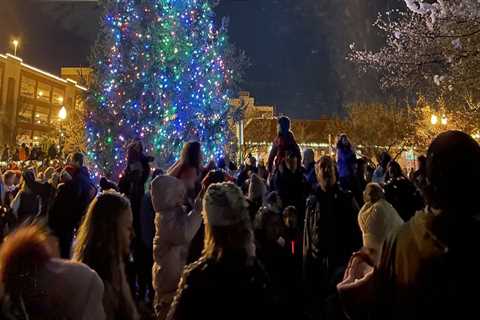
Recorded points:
293,238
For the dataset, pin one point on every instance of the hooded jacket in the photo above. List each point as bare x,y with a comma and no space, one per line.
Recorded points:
429,269
174,230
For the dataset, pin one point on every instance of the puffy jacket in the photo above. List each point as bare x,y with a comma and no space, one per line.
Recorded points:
174,230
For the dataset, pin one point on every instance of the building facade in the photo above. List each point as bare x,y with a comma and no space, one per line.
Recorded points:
30,101
258,129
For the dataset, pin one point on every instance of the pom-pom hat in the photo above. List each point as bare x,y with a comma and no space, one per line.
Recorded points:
224,205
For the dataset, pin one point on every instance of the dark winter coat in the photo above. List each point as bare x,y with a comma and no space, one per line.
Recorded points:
132,185
310,175
225,289
331,235
420,179
428,269
52,152
46,192
26,206
283,273
292,188
69,207
404,197
243,176
147,221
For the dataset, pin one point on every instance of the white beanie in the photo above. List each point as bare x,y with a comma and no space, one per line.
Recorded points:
225,205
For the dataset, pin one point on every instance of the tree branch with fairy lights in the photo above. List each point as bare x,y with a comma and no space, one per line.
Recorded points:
432,48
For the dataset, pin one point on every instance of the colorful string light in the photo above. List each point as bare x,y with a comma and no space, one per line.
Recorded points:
160,77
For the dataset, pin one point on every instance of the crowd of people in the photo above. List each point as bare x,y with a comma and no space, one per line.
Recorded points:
30,152
293,238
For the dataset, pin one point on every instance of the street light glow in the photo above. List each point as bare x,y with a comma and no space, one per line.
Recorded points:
62,114
444,120
15,43
434,119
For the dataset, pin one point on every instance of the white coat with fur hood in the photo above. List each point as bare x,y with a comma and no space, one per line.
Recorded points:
174,230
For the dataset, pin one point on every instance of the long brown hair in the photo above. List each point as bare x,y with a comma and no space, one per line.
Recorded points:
191,154
219,240
98,240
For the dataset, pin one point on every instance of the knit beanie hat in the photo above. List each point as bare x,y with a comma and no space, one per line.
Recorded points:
224,205
373,192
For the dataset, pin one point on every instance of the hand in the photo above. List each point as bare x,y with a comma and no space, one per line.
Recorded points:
357,290
359,271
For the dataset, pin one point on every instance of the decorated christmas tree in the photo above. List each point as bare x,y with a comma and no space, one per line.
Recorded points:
161,76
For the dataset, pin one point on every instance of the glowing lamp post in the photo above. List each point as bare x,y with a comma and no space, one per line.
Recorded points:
62,115
444,120
15,43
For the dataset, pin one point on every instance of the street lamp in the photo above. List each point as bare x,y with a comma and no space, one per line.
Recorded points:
444,120
434,120
15,43
62,114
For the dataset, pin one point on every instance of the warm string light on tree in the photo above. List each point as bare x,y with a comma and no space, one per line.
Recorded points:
160,77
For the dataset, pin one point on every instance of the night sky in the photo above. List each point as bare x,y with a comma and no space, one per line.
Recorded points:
297,47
